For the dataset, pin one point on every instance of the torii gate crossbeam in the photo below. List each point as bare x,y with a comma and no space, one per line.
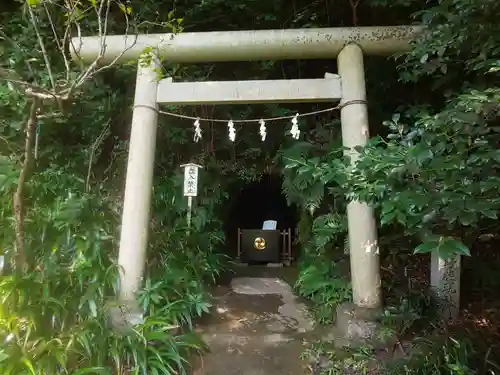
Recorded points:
247,45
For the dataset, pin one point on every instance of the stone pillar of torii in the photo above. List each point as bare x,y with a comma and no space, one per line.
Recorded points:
347,45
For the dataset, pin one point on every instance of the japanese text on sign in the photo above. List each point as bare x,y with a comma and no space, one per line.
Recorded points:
190,181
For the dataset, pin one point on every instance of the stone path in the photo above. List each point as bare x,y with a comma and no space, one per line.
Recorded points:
258,327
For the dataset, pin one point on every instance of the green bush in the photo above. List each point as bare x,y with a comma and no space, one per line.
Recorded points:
444,355
56,317
322,284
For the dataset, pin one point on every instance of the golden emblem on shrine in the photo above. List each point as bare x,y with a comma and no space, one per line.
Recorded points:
259,243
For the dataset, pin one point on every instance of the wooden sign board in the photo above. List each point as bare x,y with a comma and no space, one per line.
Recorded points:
191,179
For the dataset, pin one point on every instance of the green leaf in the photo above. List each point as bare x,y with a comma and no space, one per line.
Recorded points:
426,247
92,307
490,214
29,365
467,218
291,165
388,217
445,246
387,207
125,8
450,246
3,356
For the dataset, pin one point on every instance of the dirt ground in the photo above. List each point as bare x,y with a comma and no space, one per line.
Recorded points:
258,327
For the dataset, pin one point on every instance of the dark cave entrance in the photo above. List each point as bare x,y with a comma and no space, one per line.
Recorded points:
253,203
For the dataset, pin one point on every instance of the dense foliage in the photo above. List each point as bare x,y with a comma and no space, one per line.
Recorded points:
431,170
435,171
57,291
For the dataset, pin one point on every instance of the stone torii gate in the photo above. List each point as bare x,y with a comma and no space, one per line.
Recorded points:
346,44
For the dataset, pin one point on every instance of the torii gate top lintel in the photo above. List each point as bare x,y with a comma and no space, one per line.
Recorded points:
247,45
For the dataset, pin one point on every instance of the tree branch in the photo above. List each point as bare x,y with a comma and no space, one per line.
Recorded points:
60,44
354,6
93,149
94,68
42,48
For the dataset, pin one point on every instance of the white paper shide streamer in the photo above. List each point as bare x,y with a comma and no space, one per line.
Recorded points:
295,131
262,130
232,131
197,130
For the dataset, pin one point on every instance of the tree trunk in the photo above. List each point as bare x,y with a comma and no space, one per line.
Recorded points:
18,200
